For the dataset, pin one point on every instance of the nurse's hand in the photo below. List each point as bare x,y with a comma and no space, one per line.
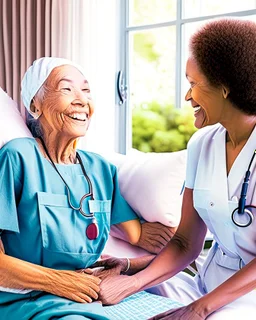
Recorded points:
115,289
80,287
184,313
155,236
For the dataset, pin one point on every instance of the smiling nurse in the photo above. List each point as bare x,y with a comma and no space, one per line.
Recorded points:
221,72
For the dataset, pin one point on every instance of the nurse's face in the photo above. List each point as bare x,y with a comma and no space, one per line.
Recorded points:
207,101
67,105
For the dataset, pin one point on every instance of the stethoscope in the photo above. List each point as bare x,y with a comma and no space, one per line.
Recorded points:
92,230
243,210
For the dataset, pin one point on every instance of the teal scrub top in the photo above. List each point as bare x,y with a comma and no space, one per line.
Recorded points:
40,226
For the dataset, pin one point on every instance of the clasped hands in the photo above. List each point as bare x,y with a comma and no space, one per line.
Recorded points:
114,286
105,274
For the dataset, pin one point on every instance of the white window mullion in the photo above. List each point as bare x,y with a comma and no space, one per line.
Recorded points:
178,54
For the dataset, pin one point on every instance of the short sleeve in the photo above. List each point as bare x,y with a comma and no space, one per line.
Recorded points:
191,165
121,211
193,153
200,141
10,187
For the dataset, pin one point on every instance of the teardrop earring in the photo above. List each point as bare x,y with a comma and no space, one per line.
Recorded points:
225,93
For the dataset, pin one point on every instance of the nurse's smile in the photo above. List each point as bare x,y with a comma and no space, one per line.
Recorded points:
196,110
200,116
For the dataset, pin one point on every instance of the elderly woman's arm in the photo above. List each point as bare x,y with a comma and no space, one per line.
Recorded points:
19,274
151,236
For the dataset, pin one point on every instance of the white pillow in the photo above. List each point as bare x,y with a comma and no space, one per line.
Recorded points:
152,182
12,124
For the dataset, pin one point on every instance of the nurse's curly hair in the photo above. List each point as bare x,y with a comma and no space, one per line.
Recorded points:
225,51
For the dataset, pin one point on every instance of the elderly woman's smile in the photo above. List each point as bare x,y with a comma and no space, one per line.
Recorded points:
78,116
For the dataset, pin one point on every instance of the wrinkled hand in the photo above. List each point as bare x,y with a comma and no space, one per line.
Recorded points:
109,266
184,313
115,289
155,236
77,286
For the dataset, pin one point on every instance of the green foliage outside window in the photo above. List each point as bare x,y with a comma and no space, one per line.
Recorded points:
156,125
158,128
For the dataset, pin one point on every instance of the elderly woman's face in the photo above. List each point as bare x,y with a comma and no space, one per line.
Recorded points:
67,105
207,101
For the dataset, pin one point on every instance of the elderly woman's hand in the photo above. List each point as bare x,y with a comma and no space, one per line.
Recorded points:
184,313
77,286
115,289
155,236
108,266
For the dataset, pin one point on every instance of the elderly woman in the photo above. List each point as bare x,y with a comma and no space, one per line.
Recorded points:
220,185
57,204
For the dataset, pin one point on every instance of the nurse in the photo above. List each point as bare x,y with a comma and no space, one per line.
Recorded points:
221,72
57,204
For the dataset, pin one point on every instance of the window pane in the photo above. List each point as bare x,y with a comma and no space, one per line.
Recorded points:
152,70
152,88
151,11
197,8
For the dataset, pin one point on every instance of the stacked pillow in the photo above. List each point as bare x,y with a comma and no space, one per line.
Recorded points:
12,124
152,184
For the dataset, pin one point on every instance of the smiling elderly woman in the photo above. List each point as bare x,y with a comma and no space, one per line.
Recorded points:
57,204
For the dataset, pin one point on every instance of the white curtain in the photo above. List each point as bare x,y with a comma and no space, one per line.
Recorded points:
92,42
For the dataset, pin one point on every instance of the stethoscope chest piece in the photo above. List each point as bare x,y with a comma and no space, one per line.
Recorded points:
243,219
92,230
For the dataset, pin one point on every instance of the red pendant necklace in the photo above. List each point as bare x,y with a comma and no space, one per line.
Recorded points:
92,230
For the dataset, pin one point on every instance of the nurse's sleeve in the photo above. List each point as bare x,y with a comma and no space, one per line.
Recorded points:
192,161
120,211
10,187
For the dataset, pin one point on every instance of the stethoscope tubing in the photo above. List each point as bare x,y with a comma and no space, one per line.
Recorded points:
89,194
242,207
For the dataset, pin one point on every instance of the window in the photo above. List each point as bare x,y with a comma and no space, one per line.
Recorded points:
156,37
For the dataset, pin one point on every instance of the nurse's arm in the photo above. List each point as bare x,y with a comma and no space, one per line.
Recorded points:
19,274
241,283
184,247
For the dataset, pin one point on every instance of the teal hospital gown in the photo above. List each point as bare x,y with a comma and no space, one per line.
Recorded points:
40,227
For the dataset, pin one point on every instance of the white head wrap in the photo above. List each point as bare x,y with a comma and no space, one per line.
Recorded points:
36,75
